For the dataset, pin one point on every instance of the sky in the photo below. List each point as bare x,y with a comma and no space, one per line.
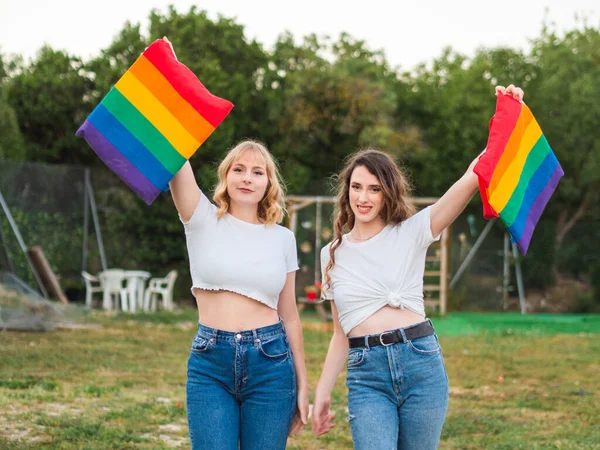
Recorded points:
409,32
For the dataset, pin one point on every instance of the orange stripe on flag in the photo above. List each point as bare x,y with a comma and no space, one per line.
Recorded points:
512,147
156,83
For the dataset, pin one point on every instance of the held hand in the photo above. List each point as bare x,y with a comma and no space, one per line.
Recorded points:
515,92
171,45
301,415
322,417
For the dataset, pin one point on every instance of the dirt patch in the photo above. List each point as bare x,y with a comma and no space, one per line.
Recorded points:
168,440
14,430
172,442
482,391
58,409
171,427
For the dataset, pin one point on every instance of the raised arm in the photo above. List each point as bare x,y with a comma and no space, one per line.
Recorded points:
185,191
453,202
183,186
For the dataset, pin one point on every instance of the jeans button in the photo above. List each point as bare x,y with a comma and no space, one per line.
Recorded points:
238,336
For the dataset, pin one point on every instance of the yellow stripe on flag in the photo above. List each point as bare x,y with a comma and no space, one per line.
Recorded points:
510,179
156,113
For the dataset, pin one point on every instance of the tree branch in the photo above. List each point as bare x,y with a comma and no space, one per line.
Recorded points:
564,226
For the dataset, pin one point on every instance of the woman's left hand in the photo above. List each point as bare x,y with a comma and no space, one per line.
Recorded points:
516,93
301,415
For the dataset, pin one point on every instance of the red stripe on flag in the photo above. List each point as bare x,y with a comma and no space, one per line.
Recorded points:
214,109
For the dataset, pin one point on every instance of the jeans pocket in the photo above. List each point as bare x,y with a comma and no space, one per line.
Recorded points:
201,344
356,357
274,349
427,345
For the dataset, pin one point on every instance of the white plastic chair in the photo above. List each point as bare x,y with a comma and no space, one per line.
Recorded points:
92,286
133,293
160,286
112,282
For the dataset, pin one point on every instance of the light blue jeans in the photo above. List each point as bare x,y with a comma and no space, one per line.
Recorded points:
397,395
241,389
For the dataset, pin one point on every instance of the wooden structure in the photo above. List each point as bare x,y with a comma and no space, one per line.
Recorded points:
438,256
42,266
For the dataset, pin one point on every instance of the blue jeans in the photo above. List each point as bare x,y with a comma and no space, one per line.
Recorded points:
241,389
397,395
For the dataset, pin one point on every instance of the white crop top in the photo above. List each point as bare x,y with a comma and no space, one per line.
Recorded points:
385,270
232,255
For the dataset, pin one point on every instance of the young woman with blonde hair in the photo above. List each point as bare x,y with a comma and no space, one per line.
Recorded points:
247,385
373,274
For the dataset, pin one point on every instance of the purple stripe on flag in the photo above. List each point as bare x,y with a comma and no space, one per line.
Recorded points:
118,163
537,208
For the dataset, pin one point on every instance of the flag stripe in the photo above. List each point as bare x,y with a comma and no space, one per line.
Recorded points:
212,108
502,125
159,116
509,180
512,147
143,131
534,161
534,189
537,208
132,149
155,82
116,161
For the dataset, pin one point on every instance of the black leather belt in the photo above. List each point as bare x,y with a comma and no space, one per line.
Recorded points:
393,337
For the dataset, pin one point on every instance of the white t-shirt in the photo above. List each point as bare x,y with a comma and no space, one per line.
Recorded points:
385,270
232,255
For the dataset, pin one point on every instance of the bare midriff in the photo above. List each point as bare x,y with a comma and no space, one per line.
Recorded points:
228,311
387,318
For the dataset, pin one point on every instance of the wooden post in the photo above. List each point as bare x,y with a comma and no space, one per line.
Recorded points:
47,274
318,239
505,272
520,287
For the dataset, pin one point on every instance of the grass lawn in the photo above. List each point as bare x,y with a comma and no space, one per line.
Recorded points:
123,386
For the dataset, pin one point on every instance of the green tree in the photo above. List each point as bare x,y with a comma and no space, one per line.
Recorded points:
567,106
50,98
11,139
322,110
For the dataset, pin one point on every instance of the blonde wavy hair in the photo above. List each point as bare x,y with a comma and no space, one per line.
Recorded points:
271,209
397,202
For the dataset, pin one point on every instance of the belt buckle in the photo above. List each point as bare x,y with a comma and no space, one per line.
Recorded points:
381,338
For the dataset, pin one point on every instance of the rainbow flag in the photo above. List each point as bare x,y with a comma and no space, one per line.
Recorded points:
152,121
518,173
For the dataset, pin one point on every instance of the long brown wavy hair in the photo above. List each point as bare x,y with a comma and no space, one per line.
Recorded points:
397,202
271,209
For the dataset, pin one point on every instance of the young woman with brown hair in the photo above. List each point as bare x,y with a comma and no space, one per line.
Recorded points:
373,274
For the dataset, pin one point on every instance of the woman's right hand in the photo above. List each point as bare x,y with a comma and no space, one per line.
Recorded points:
322,417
